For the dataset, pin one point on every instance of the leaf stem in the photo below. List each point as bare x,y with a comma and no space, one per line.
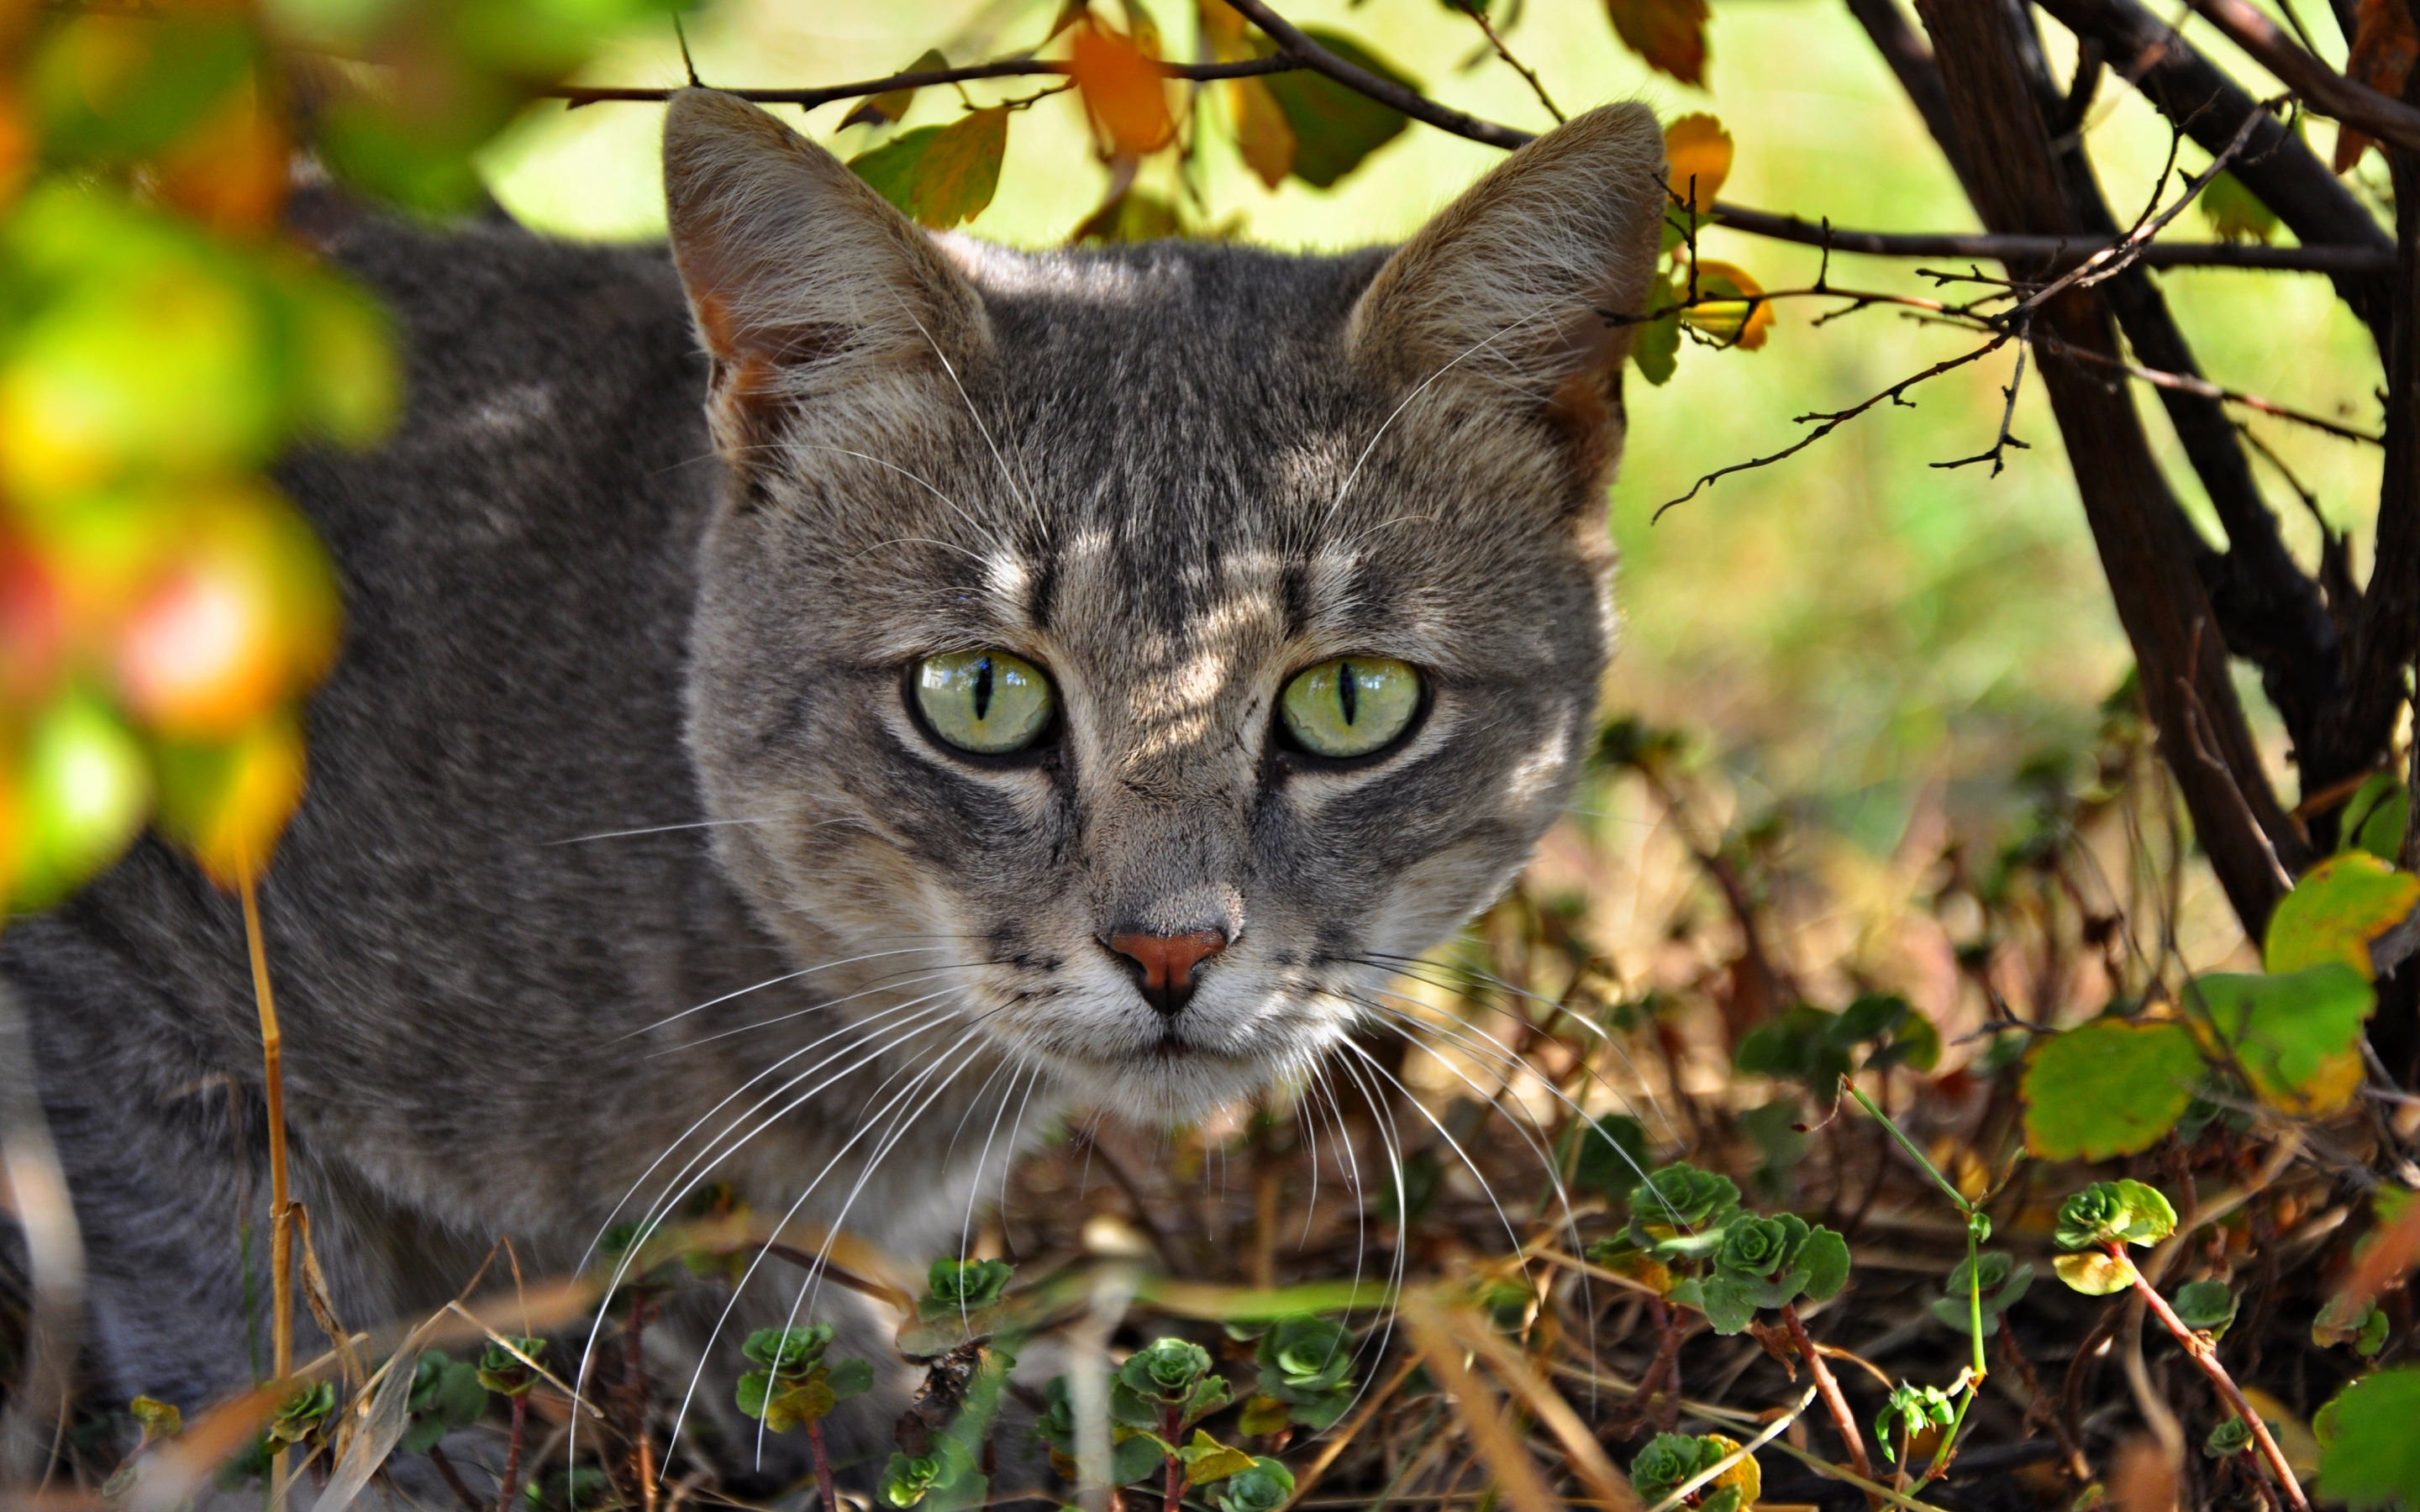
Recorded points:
822,1465
1957,1197
2205,1354
513,1453
281,1226
1829,1389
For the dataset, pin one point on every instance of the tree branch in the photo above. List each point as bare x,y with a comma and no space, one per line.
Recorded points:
1292,44
1016,68
2135,518
2202,102
2057,252
2321,88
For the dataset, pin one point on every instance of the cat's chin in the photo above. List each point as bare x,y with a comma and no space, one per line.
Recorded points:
1169,1083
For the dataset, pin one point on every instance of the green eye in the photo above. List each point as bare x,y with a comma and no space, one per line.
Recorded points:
985,702
1352,706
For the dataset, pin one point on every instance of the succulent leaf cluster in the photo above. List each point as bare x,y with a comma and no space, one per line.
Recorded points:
1765,1262
794,1383
1671,1461
1307,1364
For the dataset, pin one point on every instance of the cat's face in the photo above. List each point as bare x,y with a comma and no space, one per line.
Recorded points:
1145,650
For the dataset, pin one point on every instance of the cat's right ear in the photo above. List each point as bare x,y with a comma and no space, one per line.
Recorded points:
805,284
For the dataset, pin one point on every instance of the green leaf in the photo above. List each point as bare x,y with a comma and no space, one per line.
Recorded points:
1825,1257
1657,350
1728,1302
890,170
1614,1154
1136,1457
2368,1455
851,1378
2296,1036
2111,1213
959,169
2374,818
891,105
2340,906
2234,212
1334,127
2107,1088
2205,1306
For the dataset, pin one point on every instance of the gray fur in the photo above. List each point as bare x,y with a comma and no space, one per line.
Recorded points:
567,618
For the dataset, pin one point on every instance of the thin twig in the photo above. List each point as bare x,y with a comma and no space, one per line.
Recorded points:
281,1231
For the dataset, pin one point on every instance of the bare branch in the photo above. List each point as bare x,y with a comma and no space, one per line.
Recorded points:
2056,251
579,95
2195,383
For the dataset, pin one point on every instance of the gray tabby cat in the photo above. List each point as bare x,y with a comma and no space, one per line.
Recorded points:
1036,681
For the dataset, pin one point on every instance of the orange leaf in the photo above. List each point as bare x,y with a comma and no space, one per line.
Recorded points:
2384,46
230,173
1669,34
1125,93
1262,132
1700,153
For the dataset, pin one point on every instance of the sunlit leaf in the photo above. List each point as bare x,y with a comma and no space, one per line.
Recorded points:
226,804
2369,1453
343,382
939,175
2095,1272
424,166
2107,1088
85,789
1127,94
163,365
2296,1036
2335,910
2234,213
1727,308
1335,128
1698,153
1669,34
1262,133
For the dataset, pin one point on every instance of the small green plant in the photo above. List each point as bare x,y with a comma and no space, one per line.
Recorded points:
957,1287
907,1479
1910,1412
1817,1048
1678,1213
2095,1227
2229,1438
2096,1224
1671,1461
1991,1280
507,1368
1264,1487
446,1394
1765,1263
1307,1367
793,1385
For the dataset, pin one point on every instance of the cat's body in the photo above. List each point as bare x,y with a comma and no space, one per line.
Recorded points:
1172,476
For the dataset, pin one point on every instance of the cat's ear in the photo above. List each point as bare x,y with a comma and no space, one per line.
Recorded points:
803,280
1519,287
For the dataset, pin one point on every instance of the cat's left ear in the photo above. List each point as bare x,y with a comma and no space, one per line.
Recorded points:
1520,285
806,285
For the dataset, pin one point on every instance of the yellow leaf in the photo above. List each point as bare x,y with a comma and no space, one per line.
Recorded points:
1262,132
1699,151
1223,28
1125,93
2335,910
226,804
1207,1459
1729,308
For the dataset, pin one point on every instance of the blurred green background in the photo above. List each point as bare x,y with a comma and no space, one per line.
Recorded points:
1848,630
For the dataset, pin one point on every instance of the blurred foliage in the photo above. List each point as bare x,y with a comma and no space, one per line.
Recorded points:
163,339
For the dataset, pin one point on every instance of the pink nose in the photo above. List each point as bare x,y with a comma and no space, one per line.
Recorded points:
1165,962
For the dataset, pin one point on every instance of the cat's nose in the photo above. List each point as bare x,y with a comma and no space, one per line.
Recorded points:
1164,964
